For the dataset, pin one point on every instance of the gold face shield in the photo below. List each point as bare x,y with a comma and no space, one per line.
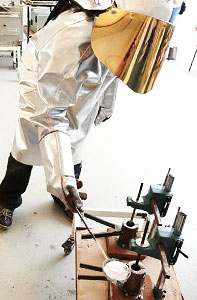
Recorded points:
132,46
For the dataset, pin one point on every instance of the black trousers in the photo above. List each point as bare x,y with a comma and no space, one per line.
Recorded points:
16,181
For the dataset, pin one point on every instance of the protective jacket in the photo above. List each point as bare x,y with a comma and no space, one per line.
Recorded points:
62,85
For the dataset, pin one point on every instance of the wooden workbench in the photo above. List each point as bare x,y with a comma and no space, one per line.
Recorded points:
88,253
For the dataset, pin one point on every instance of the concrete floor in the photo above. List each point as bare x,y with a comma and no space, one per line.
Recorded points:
146,135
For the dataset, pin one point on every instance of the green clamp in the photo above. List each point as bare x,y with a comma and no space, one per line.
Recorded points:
156,192
164,235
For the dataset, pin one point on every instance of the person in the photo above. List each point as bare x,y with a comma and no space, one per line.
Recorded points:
64,89
176,9
172,53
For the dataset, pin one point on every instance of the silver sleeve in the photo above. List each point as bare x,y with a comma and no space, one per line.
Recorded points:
57,161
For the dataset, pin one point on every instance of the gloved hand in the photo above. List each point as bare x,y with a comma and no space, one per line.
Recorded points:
103,115
74,198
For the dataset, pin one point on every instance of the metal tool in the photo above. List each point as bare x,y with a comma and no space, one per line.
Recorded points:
94,238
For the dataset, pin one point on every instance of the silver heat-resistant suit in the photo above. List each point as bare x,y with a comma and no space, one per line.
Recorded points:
62,85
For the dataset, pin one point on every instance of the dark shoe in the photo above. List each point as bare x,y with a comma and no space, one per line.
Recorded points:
6,216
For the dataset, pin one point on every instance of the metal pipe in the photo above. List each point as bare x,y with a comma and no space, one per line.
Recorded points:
99,220
92,277
136,265
101,234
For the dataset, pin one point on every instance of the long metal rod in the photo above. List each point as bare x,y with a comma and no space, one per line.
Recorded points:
92,277
136,265
101,234
84,222
28,23
99,220
138,197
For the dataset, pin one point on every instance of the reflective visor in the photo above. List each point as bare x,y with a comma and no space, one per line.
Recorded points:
132,46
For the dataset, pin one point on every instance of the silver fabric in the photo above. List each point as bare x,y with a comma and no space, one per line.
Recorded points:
62,85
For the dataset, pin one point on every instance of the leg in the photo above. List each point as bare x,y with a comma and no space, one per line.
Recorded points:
175,13
14,183
77,170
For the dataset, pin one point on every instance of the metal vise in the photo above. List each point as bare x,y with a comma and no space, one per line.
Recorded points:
165,235
159,194
165,245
